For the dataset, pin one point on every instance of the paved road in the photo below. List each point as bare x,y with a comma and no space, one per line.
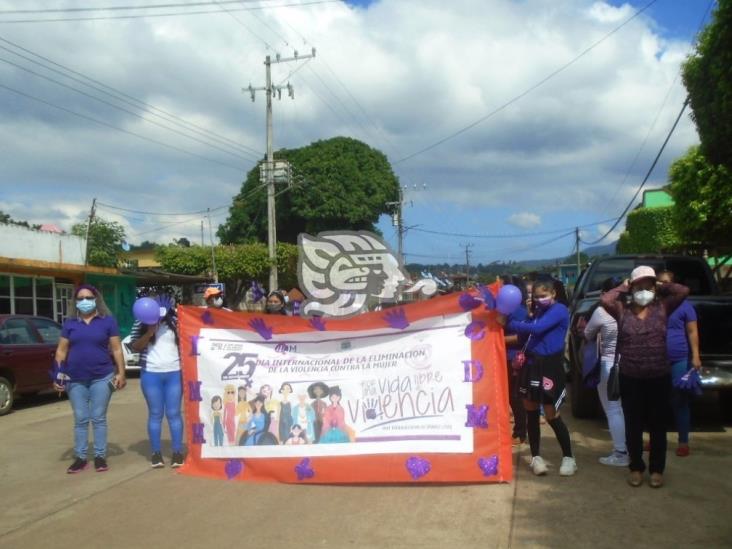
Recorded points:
134,506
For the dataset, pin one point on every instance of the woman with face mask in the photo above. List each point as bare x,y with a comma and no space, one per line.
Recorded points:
276,304
641,308
541,378
90,352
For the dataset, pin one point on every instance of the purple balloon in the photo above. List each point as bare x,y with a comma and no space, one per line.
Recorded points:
509,299
146,310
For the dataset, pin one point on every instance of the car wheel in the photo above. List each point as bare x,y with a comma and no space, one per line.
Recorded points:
6,396
725,404
584,401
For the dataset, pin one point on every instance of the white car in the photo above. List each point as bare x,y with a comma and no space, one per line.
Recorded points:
132,359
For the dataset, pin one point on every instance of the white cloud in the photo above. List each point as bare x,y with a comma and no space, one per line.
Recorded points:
525,220
419,69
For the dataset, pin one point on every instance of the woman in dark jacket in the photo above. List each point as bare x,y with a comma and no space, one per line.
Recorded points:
641,308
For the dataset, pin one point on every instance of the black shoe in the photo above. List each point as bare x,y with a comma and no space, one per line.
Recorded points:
77,467
156,461
100,464
176,460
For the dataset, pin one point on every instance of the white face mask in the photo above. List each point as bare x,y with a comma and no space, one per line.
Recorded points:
218,302
643,297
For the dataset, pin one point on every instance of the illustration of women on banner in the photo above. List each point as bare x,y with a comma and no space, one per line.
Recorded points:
304,416
285,412
335,429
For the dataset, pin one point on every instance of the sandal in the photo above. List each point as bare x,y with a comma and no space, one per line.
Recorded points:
635,479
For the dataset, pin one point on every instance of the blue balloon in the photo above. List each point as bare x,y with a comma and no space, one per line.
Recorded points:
146,310
508,300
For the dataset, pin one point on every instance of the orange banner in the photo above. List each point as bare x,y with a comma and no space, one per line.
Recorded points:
416,393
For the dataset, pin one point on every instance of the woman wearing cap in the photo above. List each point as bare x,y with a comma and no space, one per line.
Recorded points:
214,298
603,325
645,375
160,381
89,350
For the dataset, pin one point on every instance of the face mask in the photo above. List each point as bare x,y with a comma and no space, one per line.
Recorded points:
643,297
274,308
218,302
86,306
544,302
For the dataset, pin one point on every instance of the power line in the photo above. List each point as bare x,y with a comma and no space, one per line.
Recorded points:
645,179
230,13
124,8
169,14
77,90
514,235
239,169
529,90
156,214
123,97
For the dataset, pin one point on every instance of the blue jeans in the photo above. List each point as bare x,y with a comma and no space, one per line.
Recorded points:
163,392
89,400
680,402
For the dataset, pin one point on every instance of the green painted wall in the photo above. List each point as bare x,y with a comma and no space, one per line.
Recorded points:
119,294
657,198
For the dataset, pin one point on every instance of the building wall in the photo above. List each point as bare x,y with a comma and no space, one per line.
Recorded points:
657,198
141,259
23,243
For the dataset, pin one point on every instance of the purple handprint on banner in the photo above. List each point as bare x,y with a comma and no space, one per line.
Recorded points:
257,291
303,470
194,344
396,319
233,468
487,297
259,326
417,467
475,331
489,465
318,323
468,302
207,318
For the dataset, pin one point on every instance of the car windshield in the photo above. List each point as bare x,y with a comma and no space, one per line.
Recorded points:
688,272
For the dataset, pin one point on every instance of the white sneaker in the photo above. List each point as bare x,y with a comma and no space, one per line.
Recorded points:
538,466
616,459
568,467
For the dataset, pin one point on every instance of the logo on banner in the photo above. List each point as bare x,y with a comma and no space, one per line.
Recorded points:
241,368
340,271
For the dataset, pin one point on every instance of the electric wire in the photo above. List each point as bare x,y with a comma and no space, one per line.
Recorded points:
527,91
168,14
514,235
645,179
239,169
125,8
137,115
123,97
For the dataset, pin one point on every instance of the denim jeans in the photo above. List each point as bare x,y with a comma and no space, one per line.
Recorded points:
613,408
89,400
163,392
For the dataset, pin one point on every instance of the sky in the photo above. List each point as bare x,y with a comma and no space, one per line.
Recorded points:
555,117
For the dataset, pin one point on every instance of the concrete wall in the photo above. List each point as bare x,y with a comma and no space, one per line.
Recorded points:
21,243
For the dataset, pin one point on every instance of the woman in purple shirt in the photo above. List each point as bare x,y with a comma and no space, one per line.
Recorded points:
645,376
682,345
88,345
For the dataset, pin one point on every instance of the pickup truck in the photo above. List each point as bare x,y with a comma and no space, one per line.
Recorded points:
713,310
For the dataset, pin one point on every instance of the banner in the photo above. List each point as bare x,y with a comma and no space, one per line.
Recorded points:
413,393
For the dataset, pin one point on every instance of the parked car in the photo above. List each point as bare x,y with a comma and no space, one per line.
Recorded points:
27,347
132,358
713,310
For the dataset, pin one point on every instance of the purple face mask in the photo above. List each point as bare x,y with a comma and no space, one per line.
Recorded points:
544,303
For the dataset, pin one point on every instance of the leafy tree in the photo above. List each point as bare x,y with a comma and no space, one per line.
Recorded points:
6,219
341,183
105,241
182,242
707,76
702,193
237,264
649,230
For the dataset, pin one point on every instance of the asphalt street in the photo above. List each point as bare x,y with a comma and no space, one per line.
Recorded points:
132,505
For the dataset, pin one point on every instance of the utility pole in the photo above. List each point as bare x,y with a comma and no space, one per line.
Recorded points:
398,222
213,254
577,243
270,91
203,242
467,264
88,228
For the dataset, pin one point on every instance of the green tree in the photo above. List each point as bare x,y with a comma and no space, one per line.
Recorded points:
8,220
649,230
105,241
702,193
707,76
341,183
237,264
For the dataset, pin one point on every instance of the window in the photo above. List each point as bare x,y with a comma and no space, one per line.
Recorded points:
16,331
27,295
49,330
